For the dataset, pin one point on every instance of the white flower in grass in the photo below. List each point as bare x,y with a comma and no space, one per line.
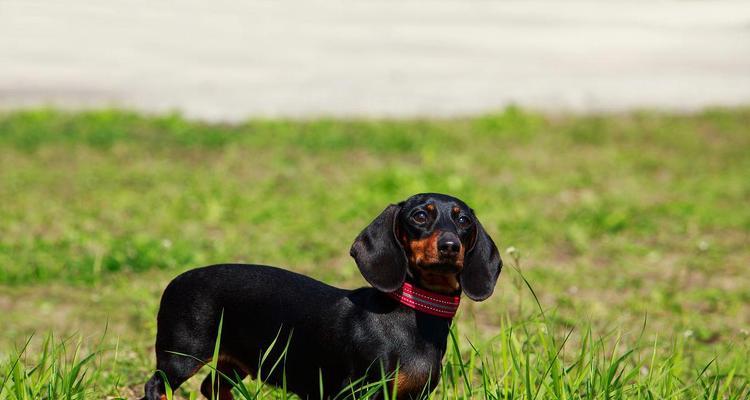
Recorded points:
703,245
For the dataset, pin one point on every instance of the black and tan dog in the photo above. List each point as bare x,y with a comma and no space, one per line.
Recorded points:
419,256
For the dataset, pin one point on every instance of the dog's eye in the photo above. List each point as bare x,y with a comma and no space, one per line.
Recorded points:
419,217
463,221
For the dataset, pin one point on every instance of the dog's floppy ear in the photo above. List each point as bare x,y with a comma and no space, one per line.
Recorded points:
481,267
379,255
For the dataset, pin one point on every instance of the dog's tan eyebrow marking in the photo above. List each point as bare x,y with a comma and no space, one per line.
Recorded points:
456,210
430,207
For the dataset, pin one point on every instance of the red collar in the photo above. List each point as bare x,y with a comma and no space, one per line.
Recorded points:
425,301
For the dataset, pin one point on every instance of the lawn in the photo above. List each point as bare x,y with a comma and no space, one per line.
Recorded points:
626,239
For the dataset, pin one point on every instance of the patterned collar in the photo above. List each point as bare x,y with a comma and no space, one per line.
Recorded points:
425,301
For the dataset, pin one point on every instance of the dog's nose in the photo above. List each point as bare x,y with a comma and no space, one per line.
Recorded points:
449,245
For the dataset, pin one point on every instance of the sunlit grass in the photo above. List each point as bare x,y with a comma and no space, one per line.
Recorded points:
58,370
633,229
527,359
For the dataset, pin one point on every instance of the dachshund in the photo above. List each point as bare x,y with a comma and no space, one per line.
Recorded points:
419,256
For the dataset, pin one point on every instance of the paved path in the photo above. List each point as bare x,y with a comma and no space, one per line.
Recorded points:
224,59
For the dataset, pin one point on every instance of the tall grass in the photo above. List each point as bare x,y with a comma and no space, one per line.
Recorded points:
534,358
60,369
527,360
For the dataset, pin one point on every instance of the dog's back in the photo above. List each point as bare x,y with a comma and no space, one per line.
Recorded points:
259,307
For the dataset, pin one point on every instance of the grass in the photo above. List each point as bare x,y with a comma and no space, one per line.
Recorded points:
631,229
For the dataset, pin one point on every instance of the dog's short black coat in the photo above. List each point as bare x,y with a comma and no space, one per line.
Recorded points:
334,335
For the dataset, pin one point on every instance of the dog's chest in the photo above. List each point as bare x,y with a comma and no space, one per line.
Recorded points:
417,376
409,383
419,365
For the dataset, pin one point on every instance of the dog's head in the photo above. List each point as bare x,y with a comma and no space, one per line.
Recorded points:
436,240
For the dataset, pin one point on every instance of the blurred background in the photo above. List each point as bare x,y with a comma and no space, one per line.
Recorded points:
603,144
230,60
